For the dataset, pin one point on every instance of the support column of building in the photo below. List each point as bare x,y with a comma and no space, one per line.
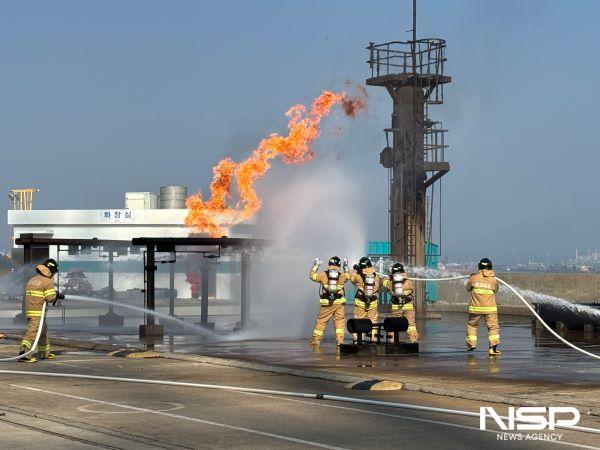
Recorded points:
172,325
245,292
420,218
172,284
111,319
150,328
205,277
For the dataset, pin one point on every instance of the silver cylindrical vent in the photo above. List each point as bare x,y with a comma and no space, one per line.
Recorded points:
173,197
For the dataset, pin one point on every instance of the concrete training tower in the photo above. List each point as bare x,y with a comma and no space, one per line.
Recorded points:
413,74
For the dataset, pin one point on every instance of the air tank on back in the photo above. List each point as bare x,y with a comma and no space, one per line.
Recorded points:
173,197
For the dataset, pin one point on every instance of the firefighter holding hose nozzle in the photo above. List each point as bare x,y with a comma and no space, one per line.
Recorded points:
367,282
401,290
483,287
331,297
39,290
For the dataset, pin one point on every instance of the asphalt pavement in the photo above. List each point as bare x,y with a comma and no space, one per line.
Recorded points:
59,413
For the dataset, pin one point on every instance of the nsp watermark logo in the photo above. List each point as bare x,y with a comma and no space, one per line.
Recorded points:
530,418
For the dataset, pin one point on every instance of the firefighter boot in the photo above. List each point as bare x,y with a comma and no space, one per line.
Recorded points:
44,351
27,359
493,352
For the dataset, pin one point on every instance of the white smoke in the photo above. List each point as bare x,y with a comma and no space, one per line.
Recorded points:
311,213
11,283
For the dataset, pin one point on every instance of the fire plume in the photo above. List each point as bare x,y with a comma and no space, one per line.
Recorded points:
304,127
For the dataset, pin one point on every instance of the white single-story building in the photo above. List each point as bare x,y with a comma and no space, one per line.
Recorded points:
121,225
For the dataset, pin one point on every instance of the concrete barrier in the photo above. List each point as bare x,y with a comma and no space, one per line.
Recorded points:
570,286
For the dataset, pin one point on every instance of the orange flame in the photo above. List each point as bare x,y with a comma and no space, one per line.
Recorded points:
304,128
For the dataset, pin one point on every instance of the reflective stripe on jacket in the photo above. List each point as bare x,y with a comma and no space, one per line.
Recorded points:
483,287
372,305
337,301
359,299
406,307
323,280
39,289
407,292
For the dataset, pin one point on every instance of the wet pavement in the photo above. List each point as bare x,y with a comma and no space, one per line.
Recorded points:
63,413
442,353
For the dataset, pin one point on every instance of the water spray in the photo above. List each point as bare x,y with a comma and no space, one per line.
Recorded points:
513,290
316,396
204,331
197,328
554,333
191,326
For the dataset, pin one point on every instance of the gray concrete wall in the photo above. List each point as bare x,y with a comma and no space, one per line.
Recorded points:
570,286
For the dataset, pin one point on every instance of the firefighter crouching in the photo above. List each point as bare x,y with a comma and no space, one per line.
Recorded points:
483,287
332,299
401,290
367,282
39,289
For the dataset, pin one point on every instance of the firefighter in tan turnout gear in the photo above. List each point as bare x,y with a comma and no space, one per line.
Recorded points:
367,282
39,290
483,287
401,290
332,298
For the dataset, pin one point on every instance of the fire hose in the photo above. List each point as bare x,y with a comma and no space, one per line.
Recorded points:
35,342
534,312
317,396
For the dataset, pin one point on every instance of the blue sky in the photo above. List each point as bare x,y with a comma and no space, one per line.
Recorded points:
99,98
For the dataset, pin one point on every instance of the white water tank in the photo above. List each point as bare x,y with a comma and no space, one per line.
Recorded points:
173,197
141,200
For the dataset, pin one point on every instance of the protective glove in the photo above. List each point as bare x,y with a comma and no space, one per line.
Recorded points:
345,264
355,267
59,296
316,263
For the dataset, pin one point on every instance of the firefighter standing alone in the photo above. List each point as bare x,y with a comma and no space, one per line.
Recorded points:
483,287
39,290
332,299
401,290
